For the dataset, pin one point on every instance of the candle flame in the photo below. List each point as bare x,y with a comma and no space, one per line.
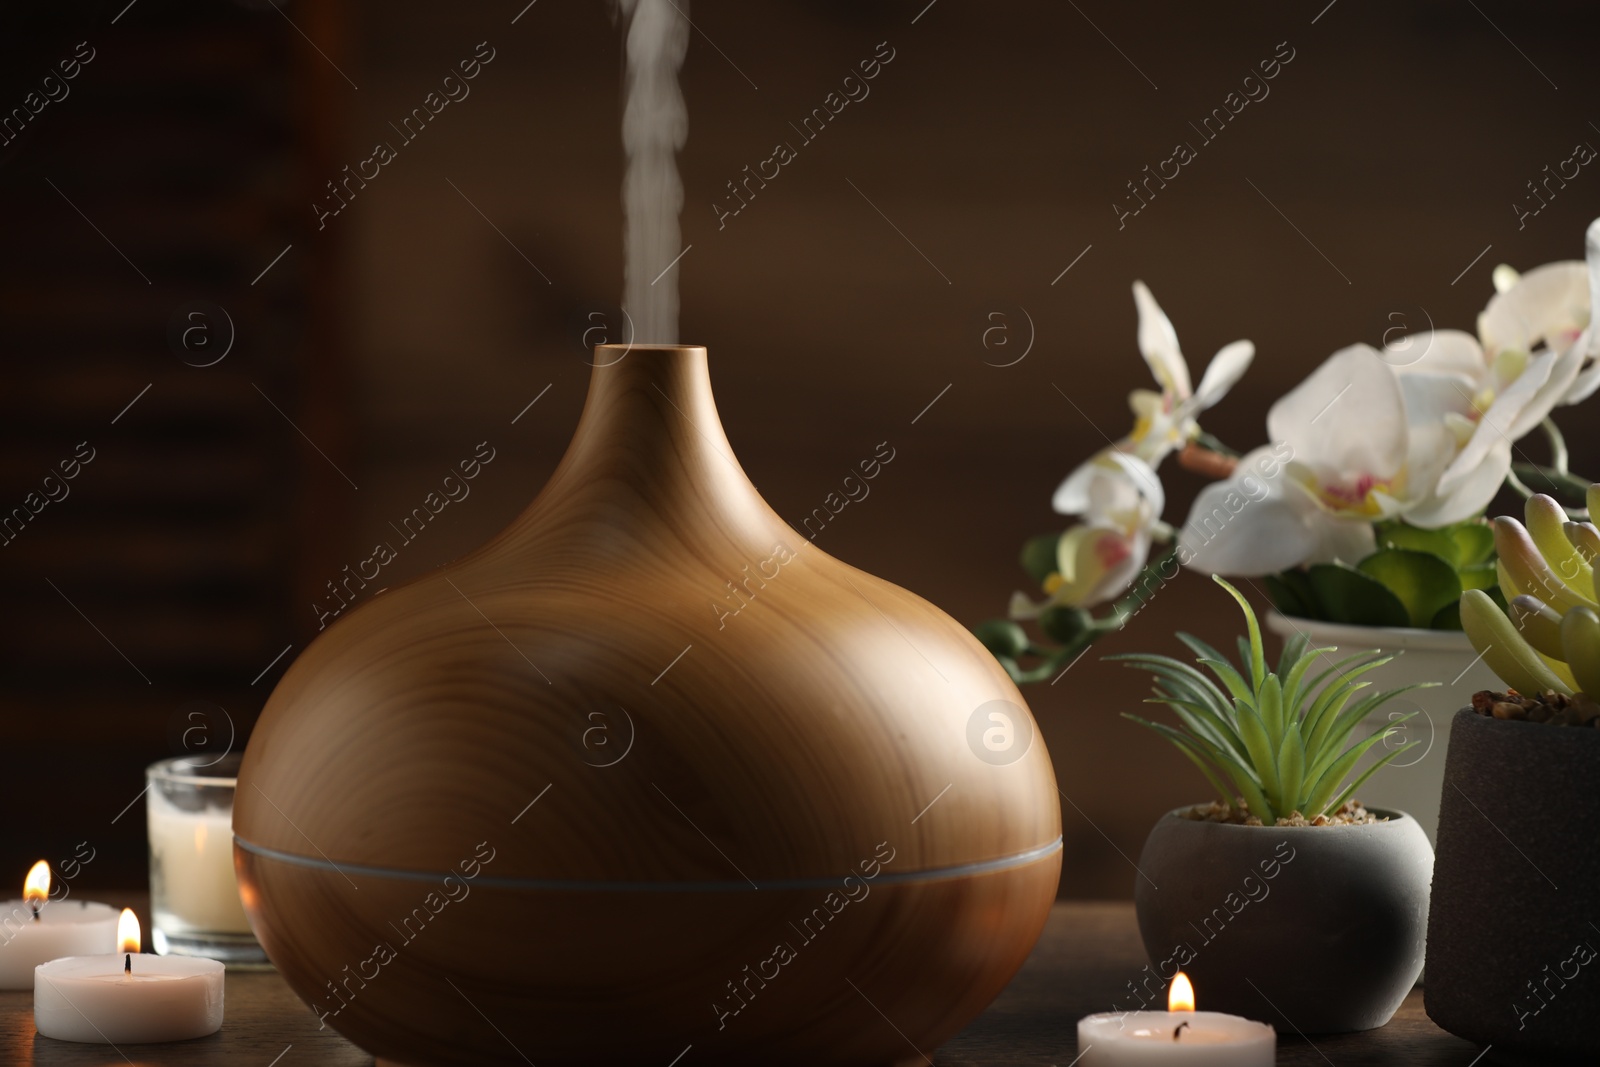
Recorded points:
1180,995
129,936
36,888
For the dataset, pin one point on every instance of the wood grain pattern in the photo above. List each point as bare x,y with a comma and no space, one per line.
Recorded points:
593,977
580,698
1086,954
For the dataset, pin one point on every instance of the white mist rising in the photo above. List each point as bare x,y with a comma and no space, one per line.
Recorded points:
655,124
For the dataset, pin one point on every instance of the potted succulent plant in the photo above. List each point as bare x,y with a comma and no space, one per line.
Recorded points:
1513,940
1375,528
1285,899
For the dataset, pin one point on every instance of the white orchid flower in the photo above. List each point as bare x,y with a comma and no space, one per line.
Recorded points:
1552,304
1476,408
1165,420
1343,456
1490,391
1100,557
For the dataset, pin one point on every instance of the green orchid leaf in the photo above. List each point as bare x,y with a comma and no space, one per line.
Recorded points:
1423,582
1447,617
1349,596
1474,543
1288,599
1478,575
1414,539
1292,594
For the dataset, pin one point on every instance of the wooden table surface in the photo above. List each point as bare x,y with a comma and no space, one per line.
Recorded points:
1087,955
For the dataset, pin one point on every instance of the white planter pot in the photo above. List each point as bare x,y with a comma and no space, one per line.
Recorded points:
1412,783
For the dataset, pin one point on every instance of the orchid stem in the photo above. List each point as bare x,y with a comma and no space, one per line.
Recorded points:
1518,485
1562,482
1141,592
1212,444
1558,444
1556,474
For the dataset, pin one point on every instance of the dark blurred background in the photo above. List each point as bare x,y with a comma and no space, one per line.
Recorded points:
263,397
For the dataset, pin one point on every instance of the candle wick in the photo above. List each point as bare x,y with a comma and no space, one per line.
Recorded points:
127,966
35,907
1179,1029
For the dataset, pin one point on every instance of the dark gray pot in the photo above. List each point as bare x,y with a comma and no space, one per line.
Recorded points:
1516,894
1314,929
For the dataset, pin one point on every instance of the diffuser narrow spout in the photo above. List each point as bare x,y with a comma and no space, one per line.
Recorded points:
660,394
650,425
675,377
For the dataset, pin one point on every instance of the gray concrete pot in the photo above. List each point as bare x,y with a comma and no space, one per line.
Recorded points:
1316,929
1514,937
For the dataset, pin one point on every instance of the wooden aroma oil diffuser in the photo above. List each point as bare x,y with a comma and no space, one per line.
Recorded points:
557,803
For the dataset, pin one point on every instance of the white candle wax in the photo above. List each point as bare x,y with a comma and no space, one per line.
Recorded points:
90,999
64,928
191,853
1144,1039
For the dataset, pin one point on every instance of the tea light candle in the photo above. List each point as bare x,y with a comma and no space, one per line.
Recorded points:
36,929
194,853
131,998
1179,1036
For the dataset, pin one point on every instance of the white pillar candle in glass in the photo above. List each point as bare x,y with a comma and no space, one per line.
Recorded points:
194,894
1179,1037
36,929
127,998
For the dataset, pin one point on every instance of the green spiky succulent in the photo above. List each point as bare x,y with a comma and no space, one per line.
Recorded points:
1551,638
1272,737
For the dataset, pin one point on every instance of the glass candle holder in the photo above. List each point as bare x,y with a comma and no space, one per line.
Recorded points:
194,895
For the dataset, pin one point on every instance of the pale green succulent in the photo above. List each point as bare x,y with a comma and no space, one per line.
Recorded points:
1551,638
1272,737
